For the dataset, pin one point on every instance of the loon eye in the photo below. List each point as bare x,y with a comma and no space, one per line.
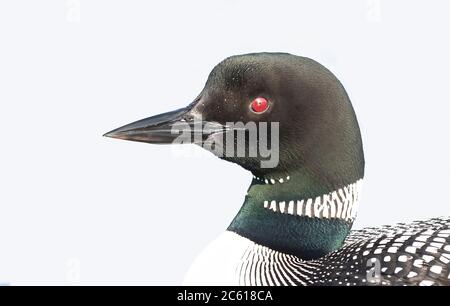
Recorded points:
259,105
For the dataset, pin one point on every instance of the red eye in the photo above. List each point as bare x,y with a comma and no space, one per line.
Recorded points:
259,105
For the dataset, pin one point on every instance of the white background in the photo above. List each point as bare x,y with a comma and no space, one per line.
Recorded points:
79,208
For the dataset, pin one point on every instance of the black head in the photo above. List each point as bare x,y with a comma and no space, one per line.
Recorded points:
318,130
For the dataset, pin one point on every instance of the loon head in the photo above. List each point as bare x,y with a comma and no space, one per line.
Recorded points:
306,157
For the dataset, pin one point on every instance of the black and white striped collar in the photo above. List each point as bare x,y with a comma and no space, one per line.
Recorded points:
339,204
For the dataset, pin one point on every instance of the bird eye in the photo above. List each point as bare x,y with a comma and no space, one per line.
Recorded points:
259,105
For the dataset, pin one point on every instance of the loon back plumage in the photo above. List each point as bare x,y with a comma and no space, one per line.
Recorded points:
417,253
294,225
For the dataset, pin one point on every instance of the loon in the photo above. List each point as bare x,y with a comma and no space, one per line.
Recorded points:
294,227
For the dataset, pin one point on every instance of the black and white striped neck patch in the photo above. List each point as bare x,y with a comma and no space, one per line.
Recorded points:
339,204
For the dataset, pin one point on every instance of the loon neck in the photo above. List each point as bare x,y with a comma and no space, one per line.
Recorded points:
297,214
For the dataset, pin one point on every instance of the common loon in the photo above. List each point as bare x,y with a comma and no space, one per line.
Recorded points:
294,227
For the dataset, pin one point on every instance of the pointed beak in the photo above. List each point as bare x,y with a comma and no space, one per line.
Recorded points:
168,128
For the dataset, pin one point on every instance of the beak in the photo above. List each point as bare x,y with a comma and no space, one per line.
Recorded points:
168,128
